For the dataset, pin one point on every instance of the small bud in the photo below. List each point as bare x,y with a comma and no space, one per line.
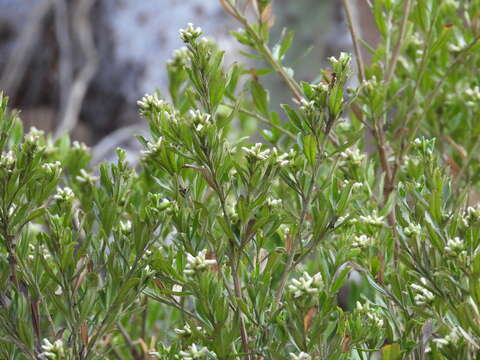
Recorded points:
190,34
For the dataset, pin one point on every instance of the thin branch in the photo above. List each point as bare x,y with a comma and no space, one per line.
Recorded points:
401,36
77,93
355,41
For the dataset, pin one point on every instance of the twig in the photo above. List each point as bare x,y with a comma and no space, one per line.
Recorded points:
401,36
263,120
135,354
355,41
79,88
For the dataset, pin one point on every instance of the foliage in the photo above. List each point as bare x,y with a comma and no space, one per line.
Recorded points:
217,247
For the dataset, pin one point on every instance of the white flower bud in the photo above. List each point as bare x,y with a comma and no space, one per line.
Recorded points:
196,264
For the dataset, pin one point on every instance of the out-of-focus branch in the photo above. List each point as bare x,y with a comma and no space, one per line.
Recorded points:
62,33
113,140
83,31
21,54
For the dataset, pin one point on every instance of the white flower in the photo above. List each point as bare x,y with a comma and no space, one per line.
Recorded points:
52,168
451,338
306,284
372,315
194,352
125,226
423,296
353,156
186,330
80,146
256,151
34,135
412,229
150,103
190,34
153,147
456,247
361,241
7,160
307,106
457,47
300,356
180,57
200,120
64,194
372,219
53,351
274,202
473,96
285,159
86,177
198,263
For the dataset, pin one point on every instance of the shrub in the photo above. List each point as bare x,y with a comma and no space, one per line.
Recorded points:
215,247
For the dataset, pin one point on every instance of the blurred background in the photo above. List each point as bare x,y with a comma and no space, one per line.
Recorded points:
81,65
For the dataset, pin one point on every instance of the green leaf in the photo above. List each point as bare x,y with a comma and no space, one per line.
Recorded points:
391,352
260,98
310,148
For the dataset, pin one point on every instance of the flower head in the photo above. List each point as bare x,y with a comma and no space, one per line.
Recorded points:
423,296
361,241
55,351
301,356
198,263
306,285
353,156
372,219
64,194
190,33
256,152
194,352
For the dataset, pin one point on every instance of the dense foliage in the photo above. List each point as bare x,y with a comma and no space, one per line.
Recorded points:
349,231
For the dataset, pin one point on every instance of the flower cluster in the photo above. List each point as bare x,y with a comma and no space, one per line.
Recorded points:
180,58
194,352
196,264
301,356
450,338
274,202
86,177
423,296
153,148
285,159
190,34
7,161
306,285
187,330
473,96
362,241
34,136
64,194
150,103
372,219
256,152
200,120
352,156
55,351
52,169
456,247
372,315
412,230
